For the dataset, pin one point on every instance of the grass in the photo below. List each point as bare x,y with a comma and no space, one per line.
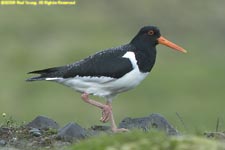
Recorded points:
132,140
152,141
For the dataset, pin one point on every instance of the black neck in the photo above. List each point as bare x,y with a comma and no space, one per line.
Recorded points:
145,53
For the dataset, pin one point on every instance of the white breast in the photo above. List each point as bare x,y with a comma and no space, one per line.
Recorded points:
131,79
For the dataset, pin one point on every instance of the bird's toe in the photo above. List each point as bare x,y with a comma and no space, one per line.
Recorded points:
106,113
116,130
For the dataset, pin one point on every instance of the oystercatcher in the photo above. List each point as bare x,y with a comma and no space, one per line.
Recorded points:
111,71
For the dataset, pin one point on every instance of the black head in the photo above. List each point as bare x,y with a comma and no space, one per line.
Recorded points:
149,36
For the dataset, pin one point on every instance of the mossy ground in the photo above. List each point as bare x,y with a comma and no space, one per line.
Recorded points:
17,136
137,140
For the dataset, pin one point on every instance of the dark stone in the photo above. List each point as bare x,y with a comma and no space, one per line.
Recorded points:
154,121
41,122
4,130
98,129
35,132
159,122
71,132
215,135
2,142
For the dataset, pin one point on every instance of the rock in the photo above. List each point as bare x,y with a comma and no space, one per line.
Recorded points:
97,129
43,123
155,121
100,128
139,123
159,122
5,131
35,132
216,135
2,142
71,132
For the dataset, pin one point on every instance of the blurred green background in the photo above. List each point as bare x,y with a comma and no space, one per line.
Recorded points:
191,84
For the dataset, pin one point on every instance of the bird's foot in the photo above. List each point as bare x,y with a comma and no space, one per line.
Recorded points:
106,113
116,130
106,108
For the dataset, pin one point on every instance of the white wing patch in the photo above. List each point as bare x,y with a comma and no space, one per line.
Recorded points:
131,56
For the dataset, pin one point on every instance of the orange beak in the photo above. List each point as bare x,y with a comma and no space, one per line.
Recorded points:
166,42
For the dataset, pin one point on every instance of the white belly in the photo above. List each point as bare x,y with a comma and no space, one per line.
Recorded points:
106,86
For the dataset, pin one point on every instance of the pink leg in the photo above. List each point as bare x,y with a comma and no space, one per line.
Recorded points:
113,124
107,114
106,109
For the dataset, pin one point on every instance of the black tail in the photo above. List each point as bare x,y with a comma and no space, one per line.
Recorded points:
38,78
45,73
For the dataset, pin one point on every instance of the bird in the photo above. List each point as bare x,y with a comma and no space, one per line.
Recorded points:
110,72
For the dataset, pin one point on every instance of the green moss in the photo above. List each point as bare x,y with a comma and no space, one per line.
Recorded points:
143,141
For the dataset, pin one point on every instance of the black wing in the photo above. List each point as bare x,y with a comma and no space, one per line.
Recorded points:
108,63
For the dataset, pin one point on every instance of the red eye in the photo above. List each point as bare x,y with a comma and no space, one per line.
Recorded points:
150,32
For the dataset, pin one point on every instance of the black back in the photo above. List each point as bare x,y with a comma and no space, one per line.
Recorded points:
110,62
